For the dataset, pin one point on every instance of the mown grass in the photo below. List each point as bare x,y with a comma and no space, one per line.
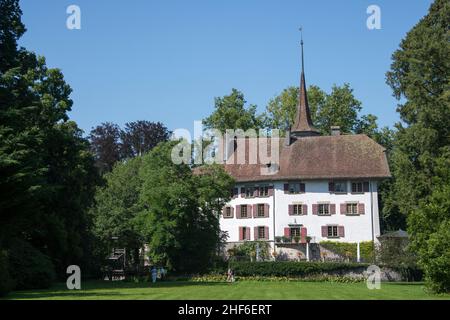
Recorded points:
177,290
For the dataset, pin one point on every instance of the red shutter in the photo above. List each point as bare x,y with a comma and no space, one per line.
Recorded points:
331,186
315,208
247,234
366,186
303,233
324,231
287,232
361,209
333,208
305,209
291,209
238,212
302,187
266,233
341,232
241,233
286,188
266,210
254,210
270,191
242,192
343,208
256,235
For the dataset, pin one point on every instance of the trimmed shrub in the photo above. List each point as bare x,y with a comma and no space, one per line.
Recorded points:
293,268
6,283
349,249
29,268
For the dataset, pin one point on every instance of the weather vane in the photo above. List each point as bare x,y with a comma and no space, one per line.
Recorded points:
301,43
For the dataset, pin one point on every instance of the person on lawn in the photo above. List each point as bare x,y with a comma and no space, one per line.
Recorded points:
154,273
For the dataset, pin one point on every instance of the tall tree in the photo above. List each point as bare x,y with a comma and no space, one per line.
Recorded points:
141,136
230,112
419,78
106,145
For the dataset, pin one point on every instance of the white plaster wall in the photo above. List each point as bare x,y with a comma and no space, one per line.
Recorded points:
357,228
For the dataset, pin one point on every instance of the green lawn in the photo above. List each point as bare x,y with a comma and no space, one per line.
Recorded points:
239,290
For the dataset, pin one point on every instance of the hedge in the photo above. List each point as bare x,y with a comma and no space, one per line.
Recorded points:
293,268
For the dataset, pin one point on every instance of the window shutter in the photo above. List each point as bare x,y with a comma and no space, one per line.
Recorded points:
315,208
303,234
324,231
254,210
247,234
343,208
241,233
287,232
266,233
238,212
332,208
286,188
256,235
331,186
242,192
291,209
341,232
361,209
366,186
232,212
302,187
270,191
305,209
266,210
223,211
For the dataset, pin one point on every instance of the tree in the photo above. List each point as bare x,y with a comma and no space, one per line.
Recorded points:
339,108
46,170
141,136
117,208
106,145
181,222
230,113
419,79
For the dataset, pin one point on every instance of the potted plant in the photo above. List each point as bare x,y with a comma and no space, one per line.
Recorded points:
277,239
296,239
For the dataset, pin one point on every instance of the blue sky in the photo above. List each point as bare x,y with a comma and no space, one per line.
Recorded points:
167,60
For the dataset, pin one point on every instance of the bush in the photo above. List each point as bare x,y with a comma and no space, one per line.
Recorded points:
349,250
29,268
293,268
6,283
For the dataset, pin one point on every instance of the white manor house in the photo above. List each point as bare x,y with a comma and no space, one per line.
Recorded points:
325,188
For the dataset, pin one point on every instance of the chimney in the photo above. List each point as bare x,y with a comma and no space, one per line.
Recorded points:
335,130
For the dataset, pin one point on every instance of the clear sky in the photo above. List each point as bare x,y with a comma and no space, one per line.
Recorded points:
167,60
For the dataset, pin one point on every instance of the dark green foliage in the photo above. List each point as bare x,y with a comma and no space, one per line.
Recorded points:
6,282
248,249
29,268
291,268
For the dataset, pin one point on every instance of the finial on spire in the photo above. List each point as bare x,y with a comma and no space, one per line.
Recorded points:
301,43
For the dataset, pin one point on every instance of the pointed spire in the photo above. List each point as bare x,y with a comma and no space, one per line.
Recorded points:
303,125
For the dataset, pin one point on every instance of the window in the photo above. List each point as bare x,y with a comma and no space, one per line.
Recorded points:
244,211
264,191
260,209
297,209
244,233
357,187
249,191
261,232
295,232
324,209
340,187
294,188
332,231
228,212
352,208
